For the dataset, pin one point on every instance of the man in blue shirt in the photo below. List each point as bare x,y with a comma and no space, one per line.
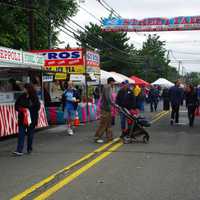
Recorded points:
70,100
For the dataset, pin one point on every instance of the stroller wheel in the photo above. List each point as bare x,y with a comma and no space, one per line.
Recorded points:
126,140
145,139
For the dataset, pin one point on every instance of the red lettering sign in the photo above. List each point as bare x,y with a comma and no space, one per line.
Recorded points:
61,57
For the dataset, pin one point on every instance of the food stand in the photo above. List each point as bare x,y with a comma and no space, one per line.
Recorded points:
75,64
16,68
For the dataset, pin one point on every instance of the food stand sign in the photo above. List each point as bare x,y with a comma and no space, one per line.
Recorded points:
62,57
33,59
79,69
92,59
10,55
60,76
152,24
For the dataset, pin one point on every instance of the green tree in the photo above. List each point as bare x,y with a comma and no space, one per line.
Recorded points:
156,64
192,78
115,52
14,21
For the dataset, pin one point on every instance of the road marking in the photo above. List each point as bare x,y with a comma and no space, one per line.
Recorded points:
48,179
78,162
159,117
158,114
77,173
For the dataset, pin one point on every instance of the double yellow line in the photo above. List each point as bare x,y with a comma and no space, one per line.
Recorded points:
115,145
93,158
159,116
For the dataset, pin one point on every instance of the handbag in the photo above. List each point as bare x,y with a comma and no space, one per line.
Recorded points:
26,116
197,111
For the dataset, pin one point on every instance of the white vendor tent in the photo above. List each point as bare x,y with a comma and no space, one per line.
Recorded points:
123,77
163,83
105,75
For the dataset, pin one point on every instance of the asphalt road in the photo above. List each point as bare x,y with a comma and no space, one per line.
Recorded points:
165,169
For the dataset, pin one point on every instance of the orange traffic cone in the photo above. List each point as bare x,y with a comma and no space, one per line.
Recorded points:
76,120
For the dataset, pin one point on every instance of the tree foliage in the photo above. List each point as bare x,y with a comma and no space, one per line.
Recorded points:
192,78
156,63
118,55
14,21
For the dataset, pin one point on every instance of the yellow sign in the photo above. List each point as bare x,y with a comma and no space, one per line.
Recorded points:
60,76
77,69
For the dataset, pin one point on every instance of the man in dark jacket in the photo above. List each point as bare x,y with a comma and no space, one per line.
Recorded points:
126,99
176,96
153,98
166,100
191,103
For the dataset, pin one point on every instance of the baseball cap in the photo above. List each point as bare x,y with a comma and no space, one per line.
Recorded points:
126,82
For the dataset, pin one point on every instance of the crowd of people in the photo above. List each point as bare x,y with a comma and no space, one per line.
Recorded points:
131,97
134,98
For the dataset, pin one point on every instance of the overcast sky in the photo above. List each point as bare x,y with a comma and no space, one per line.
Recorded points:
184,44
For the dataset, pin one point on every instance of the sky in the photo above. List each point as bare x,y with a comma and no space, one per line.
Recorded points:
184,45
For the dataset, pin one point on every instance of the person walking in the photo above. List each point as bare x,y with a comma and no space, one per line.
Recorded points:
126,99
105,115
27,102
153,98
176,96
96,95
70,100
191,103
140,99
166,99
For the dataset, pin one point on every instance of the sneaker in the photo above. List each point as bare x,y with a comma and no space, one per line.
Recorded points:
99,141
172,122
29,151
70,131
17,153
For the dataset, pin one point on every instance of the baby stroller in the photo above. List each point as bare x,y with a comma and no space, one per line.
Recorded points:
136,127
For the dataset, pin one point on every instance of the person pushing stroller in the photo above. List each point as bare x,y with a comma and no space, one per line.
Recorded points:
126,99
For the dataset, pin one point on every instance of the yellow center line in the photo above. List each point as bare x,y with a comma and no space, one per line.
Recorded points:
159,117
158,114
51,177
77,173
84,158
80,171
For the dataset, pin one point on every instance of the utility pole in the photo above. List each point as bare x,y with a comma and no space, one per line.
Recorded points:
31,27
179,67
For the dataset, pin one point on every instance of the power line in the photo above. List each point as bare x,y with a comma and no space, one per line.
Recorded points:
90,13
190,53
111,8
108,8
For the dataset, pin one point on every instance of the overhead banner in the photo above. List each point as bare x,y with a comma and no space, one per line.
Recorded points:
61,57
79,69
151,24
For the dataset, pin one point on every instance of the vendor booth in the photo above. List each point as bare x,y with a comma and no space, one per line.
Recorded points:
16,69
80,66
131,81
139,81
162,82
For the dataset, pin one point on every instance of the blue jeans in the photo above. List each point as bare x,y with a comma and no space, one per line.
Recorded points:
21,137
123,121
